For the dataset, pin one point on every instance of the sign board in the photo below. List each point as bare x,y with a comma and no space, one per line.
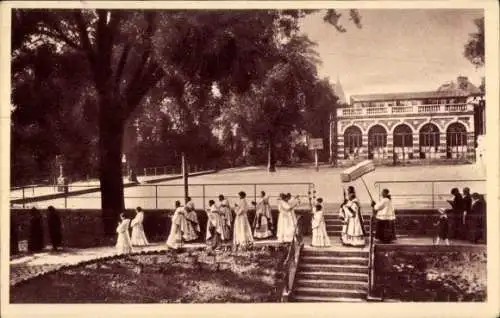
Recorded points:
316,144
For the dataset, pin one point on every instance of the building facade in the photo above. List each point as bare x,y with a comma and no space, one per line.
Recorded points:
412,127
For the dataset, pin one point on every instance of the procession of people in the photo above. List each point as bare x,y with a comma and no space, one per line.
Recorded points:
232,225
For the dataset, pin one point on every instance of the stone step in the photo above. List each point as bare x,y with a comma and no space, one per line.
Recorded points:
309,251
333,276
338,228
334,260
332,284
335,216
333,268
318,299
339,223
329,292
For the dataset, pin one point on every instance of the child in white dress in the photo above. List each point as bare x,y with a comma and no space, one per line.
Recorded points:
319,235
123,244
138,237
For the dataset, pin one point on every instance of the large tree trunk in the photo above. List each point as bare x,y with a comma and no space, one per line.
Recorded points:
271,154
111,128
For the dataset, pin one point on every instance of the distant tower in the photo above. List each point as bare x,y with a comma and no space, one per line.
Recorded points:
339,91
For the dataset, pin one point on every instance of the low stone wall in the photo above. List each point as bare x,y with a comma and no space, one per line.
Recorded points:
430,273
83,228
421,223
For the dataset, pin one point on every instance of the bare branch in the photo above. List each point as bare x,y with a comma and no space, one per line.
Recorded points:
121,64
139,72
61,37
134,94
84,36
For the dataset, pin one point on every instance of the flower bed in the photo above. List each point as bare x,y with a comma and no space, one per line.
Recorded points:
190,277
445,274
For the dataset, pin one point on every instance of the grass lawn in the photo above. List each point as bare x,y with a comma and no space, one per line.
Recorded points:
247,277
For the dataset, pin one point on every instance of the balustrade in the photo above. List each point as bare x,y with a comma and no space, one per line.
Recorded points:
409,109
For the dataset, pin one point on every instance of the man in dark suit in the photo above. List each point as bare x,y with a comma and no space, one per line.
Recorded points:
476,220
467,202
456,213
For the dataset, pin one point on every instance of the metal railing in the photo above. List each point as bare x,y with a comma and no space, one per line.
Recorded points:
371,256
292,261
154,171
154,196
435,192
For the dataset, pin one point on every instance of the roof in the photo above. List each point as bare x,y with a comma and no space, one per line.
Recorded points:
411,95
339,91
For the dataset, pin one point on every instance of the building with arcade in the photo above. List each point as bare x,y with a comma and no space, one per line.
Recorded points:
392,128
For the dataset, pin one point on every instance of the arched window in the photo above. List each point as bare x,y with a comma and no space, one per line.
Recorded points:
429,141
403,142
377,141
352,141
456,141
403,136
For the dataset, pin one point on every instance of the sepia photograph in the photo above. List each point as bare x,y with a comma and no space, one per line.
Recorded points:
244,155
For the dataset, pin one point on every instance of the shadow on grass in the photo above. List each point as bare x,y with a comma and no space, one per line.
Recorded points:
165,278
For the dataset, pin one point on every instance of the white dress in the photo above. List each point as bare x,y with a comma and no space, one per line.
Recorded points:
287,221
193,226
215,225
319,235
138,237
352,230
123,240
227,218
178,228
242,233
263,219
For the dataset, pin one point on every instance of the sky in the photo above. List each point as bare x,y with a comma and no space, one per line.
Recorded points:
396,50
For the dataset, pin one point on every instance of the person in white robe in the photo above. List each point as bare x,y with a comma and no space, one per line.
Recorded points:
193,226
242,232
263,221
215,231
319,235
353,233
227,216
138,237
386,217
287,220
178,227
123,244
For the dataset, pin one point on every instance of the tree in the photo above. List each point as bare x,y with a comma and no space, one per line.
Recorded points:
474,48
320,114
128,53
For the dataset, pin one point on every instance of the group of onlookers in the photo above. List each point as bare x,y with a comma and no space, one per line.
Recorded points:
465,220
36,235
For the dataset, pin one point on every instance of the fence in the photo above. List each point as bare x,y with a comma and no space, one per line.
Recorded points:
163,196
430,194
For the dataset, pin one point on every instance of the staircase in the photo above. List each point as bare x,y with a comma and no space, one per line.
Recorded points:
334,225
330,275
334,274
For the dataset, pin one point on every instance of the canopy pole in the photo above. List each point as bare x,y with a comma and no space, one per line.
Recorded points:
371,198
